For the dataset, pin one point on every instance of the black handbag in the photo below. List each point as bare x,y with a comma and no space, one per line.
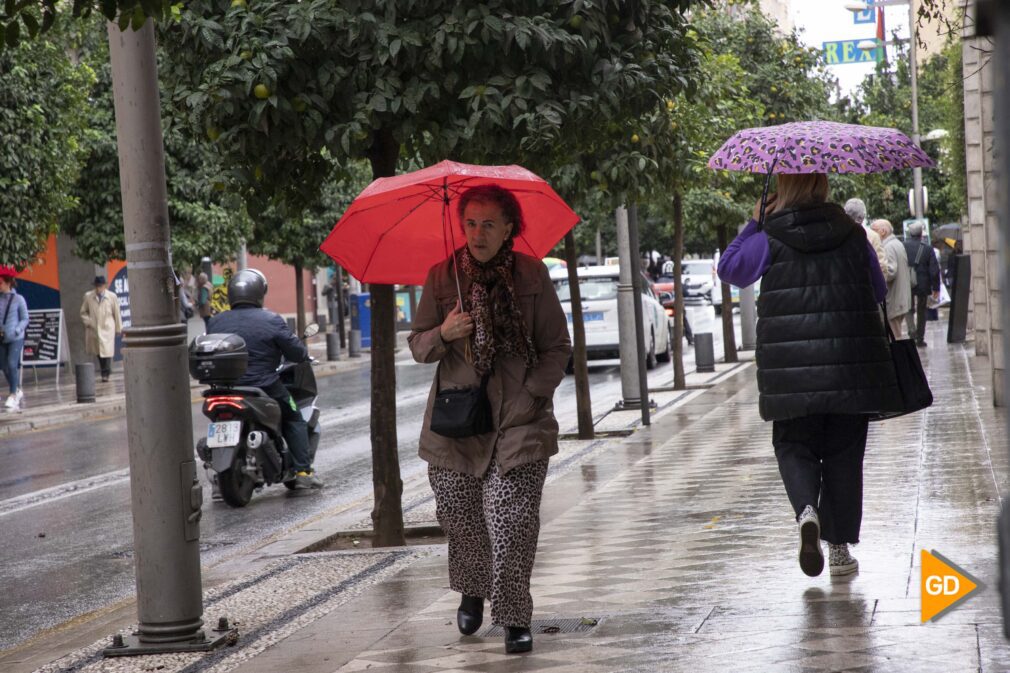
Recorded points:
915,392
461,412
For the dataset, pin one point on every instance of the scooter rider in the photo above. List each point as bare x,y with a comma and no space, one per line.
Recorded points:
268,337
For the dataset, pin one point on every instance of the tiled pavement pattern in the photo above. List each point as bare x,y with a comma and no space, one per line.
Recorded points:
689,556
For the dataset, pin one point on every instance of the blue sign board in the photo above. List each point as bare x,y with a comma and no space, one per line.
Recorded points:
847,51
868,15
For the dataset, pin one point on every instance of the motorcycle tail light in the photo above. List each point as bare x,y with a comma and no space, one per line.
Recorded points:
669,312
231,401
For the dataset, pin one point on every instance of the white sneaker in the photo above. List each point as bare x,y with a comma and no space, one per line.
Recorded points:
11,403
811,556
19,398
840,561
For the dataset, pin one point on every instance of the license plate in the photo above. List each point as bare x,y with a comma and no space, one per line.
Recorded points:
589,316
224,434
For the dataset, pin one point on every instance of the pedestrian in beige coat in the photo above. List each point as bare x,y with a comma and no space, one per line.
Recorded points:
856,209
896,274
100,314
488,487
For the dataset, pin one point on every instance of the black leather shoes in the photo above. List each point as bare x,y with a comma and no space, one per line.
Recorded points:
518,639
470,615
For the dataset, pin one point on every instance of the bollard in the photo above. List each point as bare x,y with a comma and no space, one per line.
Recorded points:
332,346
354,344
704,352
85,377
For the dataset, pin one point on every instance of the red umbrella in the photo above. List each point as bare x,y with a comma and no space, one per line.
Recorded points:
400,227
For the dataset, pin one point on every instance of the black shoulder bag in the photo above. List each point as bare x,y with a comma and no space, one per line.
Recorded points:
461,412
912,382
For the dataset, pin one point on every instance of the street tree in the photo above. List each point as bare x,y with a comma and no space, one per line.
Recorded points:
43,126
394,81
788,80
206,220
884,99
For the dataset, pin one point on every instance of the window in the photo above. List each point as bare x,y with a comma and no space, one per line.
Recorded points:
592,289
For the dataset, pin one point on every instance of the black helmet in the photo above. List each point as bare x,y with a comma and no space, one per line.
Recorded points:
248,286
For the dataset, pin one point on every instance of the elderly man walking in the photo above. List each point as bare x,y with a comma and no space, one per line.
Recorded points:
856,210
102,322
896,275
925,280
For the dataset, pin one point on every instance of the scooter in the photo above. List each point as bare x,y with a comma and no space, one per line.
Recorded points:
244,449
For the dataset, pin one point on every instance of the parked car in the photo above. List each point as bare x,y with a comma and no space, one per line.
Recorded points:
699,279
664,283
598,287
716,295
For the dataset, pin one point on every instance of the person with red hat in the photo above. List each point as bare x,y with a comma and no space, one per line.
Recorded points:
13,323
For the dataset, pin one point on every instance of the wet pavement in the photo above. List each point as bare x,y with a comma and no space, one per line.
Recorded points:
64,497
678,542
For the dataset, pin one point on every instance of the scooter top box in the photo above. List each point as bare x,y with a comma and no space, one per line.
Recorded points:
218,359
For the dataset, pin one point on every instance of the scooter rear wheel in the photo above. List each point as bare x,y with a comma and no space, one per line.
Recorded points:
236,486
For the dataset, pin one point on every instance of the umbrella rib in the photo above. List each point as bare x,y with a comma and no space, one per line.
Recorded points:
383,235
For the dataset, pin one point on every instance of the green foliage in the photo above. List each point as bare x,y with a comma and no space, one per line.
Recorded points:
42,120
28,18
529,82
885,100
295,238
205,220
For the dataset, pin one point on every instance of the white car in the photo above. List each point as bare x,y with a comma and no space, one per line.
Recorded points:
598,286
699,279
734,293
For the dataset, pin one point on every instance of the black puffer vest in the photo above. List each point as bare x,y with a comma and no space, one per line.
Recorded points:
821,344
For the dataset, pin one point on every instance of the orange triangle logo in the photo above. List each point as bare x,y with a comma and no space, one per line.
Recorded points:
943,585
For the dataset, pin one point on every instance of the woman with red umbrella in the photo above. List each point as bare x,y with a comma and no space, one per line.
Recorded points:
491,319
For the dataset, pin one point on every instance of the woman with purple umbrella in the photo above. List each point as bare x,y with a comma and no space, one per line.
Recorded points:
823,358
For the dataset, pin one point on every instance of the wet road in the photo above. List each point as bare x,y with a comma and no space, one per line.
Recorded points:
65,501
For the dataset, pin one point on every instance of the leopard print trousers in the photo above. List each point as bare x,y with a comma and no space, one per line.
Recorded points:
492,523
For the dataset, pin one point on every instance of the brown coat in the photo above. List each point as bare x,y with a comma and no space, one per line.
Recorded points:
522,404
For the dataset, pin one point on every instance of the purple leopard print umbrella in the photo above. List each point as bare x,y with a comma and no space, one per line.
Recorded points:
819,147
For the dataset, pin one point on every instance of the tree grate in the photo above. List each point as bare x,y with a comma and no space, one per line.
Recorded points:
550,626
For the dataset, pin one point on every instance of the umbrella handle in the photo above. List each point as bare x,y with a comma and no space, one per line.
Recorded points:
764,201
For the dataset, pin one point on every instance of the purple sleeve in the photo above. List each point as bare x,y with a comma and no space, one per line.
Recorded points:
876,275
747,258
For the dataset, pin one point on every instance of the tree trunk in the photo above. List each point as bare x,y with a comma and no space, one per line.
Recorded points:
583,403
299,300
387,513
728,334
338,287
679,379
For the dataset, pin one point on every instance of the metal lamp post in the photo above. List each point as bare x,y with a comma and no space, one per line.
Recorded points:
918,204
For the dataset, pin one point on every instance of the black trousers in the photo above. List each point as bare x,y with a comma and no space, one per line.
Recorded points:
821,462
105,366
293,427
915,319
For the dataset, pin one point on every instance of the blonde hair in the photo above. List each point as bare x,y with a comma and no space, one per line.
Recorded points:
882,227
800,190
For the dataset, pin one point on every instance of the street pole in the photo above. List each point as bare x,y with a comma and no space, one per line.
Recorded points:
166,495
748,316
914,72
630,341
242,258
636,281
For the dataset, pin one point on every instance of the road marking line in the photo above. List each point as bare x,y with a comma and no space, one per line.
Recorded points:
48,495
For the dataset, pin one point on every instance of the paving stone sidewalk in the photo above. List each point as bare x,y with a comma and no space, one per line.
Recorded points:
679,544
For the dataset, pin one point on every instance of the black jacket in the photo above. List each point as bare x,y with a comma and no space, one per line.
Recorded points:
821,345
927,272
267,338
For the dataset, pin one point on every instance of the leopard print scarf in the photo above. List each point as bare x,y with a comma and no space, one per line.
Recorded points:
497,318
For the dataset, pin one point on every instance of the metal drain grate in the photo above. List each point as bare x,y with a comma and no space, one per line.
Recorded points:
550,626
